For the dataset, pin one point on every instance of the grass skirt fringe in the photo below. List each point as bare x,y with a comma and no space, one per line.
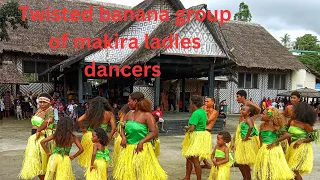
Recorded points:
84,159
300,159
99,172
141,166
246,151
157,147
116,150
59,168
220,173
285,145
197,144
35,159
272,164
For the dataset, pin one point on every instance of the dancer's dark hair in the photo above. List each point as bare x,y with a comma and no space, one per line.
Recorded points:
63,135
296,93
197,100
95,114
225,136
102,136
304,112
242,93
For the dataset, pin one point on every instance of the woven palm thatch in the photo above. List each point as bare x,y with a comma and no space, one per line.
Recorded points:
9,74
254,47
305,92
36,38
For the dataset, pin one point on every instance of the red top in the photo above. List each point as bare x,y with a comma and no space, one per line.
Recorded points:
158,112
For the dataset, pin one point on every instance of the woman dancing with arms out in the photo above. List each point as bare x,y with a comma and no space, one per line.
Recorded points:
100,157
137,159
247,144
300,153
99,115
59,165
221,158
197,145
35,158
117,141
270,161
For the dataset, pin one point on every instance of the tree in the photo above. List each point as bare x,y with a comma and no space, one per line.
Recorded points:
307,42
243,14
285,39
10,15
311,59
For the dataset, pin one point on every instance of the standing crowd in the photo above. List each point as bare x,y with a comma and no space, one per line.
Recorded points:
279,149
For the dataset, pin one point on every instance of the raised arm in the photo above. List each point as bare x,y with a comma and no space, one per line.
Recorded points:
122,134
78,144
47,120
43,144
80,122
250,122
113,125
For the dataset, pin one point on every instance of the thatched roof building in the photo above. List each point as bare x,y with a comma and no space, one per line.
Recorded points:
36,38
9,74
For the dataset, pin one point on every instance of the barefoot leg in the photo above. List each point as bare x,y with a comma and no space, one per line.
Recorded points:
197,167
188,169
298,176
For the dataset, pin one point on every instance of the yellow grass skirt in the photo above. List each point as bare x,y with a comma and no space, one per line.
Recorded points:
197,144
246,151
100,172
272,164
59,168
35,159
300,159
116,150
141,166
84,159
285,145
220,173
156,146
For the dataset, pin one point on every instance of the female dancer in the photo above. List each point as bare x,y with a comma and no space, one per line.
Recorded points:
59,164
300,152
35,158
294,99
117,141
137,159
246,142
99,115
270,161
100,157
221,158
196,146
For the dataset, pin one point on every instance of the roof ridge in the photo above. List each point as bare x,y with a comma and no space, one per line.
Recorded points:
243,22
102,3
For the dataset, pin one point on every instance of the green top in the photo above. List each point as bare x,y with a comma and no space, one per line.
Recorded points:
103,126
221,154
268,136
297,133
36,121
135,131
244,127
103,155
61,150
199,119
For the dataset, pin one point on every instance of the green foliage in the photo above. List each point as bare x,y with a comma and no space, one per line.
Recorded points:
311,59
10,15
285,39
243,14
307,42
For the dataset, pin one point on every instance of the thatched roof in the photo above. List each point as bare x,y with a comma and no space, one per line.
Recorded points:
143,55
9,74
305,92
36,38
254,47
111,29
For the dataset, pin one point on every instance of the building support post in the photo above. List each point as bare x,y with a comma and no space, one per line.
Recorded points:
80,83
65,88
183,96
211,79
157,91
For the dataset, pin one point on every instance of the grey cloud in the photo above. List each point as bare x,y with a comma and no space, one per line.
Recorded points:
277,14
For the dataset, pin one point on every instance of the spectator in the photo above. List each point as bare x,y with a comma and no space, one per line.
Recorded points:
1,108
81,110
158,112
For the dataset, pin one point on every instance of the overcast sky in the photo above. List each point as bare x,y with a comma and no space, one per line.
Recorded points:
295,17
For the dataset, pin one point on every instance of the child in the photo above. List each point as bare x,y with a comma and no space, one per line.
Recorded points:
156,141
300,153
246,142
19,110
271,162
59,165
221,158
159,113
117,141
100,157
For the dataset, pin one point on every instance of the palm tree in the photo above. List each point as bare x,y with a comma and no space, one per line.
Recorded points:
285,39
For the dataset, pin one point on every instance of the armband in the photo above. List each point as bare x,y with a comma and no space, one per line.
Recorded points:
314,135
120,126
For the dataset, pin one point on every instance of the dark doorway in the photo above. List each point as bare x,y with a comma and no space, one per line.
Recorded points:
186,100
